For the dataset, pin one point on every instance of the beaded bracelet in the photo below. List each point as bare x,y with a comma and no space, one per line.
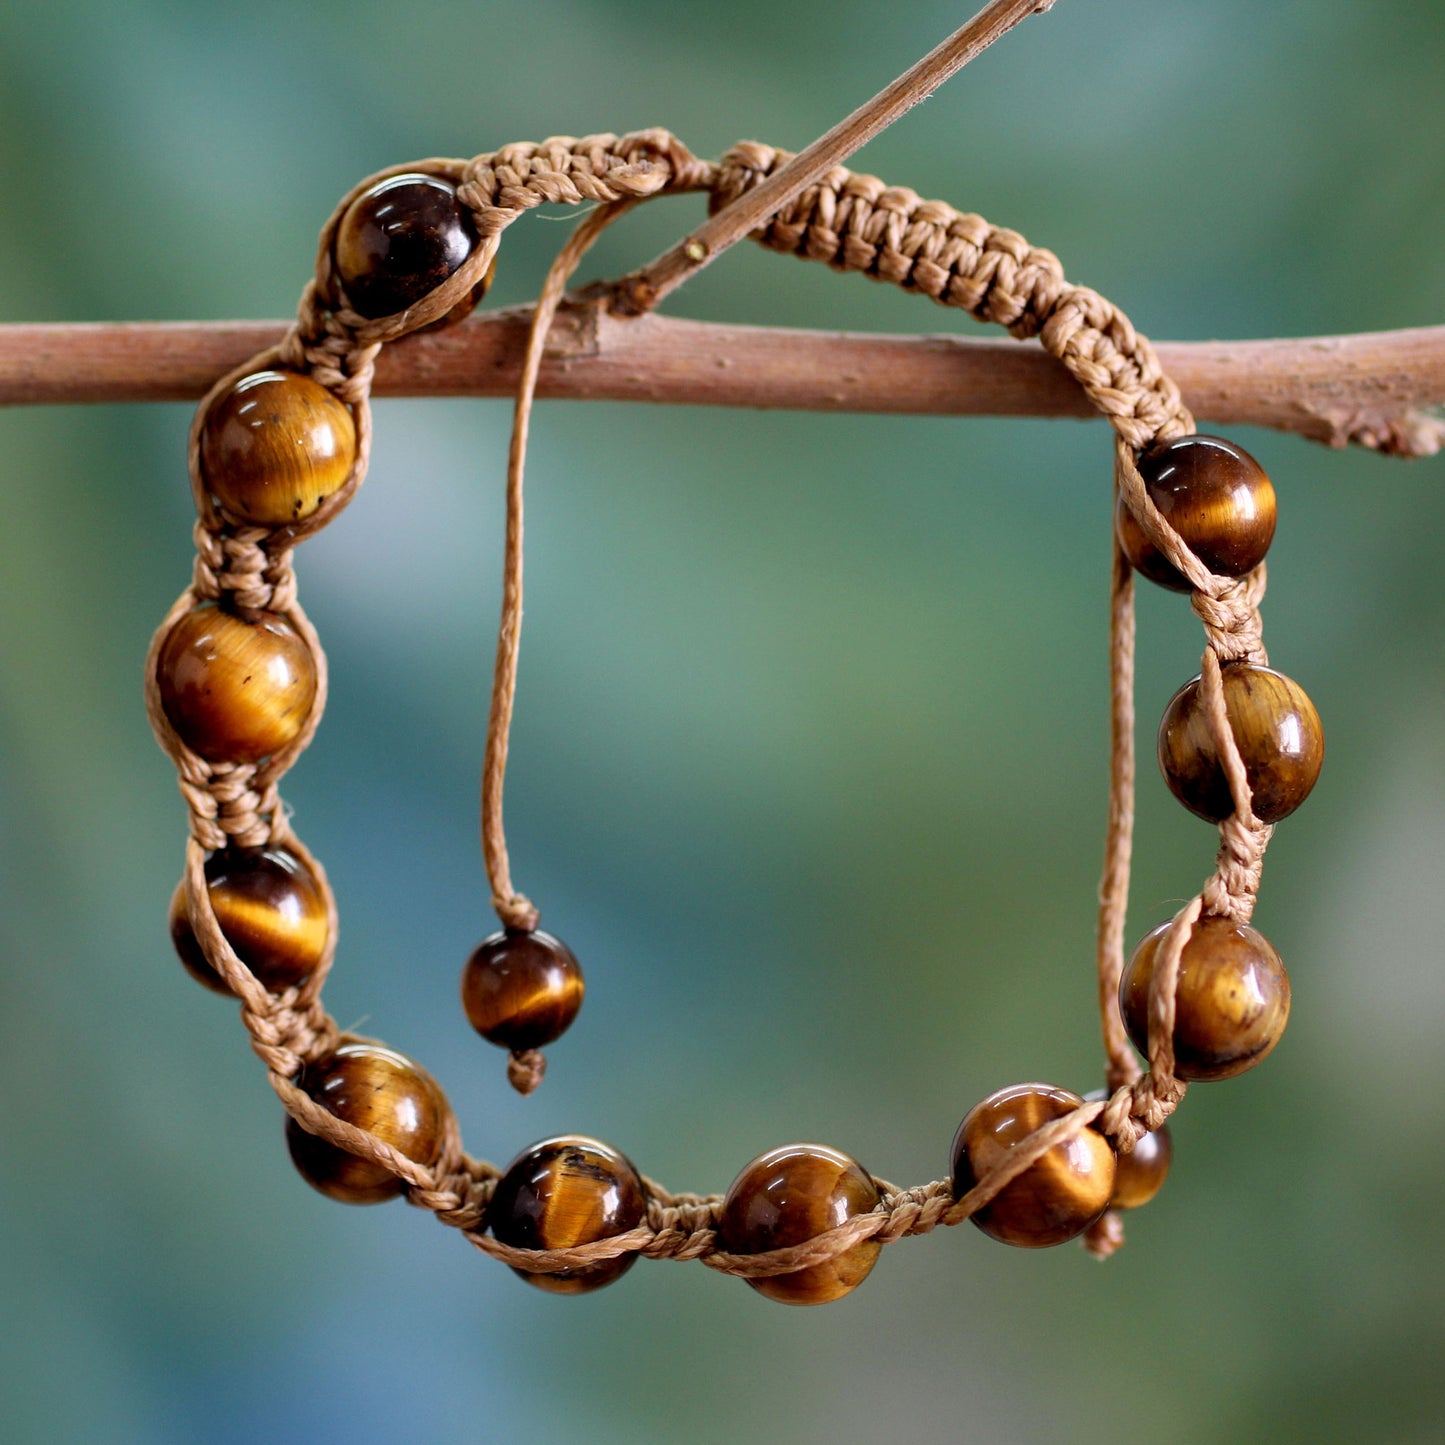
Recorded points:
236,683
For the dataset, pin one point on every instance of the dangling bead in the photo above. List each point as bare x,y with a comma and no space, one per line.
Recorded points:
400,240
1056,1197
789,1196
521,990
275,446
1215,495
564,1192
235,691
272,911
378,1090
1231,1001
1275,727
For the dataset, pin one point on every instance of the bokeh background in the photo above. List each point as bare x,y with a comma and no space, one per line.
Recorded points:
809,763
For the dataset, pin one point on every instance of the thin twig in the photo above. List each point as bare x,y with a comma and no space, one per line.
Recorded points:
1368,389
642,290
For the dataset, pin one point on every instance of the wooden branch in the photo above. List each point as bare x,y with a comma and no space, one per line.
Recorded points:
643,289
1367,389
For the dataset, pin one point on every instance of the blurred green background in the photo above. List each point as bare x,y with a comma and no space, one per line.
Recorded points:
809,762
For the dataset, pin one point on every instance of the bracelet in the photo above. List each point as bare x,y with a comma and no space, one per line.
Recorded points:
236,684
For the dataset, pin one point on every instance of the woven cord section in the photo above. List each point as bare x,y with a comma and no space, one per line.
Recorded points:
856,222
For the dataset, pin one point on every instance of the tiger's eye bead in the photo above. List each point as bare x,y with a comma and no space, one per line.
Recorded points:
271,909
275,446
521,990
235,691
1276,728
1215,495
564,1192
1142,1171
380,1091
789,1196
1056,1197
399,240
1231,1003
1139,1175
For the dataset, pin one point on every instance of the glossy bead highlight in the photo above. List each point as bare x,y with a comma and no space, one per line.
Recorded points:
1231,1001
235,691
1056,1197
1281,743
400,240
378,1090
789,1196
1215,495
564,1192
272,911
521,990
275,446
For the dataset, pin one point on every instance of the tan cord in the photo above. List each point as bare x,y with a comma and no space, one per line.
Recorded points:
857,223
1105,1236
1121,1066
513,908
728,224
851,222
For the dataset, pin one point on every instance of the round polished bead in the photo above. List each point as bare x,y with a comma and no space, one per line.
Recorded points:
1056,1197
1231,1001
789,1196
399,240
564,1192
235,691
380,1091
275,446
1275,727
1215,495
1139,1174
521,990
1142,1171
271,909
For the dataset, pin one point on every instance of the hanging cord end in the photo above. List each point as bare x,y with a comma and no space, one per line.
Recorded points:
526,1069
1105,1235
517,913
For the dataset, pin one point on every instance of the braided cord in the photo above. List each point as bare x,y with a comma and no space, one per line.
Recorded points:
851,222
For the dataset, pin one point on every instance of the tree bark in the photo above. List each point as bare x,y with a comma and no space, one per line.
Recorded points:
1371,389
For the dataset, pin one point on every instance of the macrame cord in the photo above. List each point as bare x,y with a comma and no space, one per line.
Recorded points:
850,222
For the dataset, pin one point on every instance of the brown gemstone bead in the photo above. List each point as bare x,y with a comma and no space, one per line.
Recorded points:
521,990
1231,1002
235,691
1215,495
271,909
401,239
380,1091
1276,728
1055,1198
789,1196
275,446
1139,1175
564,1192
1142,1171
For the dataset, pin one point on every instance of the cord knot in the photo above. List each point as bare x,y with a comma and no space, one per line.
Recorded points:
526,1069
